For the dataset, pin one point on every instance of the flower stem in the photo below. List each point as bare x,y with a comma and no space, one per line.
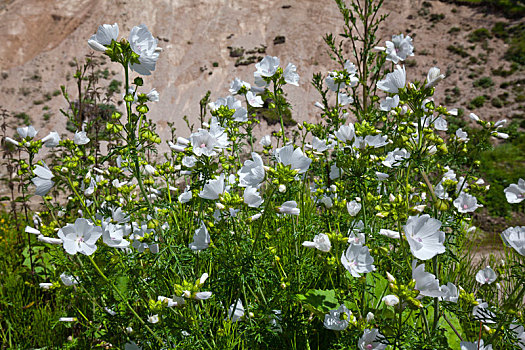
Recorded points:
124,299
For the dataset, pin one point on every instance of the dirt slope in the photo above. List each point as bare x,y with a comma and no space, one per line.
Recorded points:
43,37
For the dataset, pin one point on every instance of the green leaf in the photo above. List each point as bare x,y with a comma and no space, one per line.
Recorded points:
122,285
319,301
452,338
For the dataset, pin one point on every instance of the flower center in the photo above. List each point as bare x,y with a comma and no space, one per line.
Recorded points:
465,206
203,145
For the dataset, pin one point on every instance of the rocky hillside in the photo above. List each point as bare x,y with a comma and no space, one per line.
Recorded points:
207,43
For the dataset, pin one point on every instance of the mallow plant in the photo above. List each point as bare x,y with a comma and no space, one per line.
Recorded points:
350,233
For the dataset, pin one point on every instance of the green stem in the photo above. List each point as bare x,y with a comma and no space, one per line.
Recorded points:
124,299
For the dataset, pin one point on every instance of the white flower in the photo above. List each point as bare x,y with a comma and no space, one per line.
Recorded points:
266,141
67,319
289,207
461,135
80,237
149,169
203,295
171,302
10,140
515,193
290,74
52,139
353,207
113,235
27,131
327,202
44,239
240,114
144,45
237,84
213,188
346,133
338,320
396,157
236,311
42,181
189,161
153,319
440,124
267,66
450,293
371,340
204,143
391,300
381,176
357,260
343,99
252,197
389,233
423,236
321,242
153,95
321,145
336,81
110,311
500,123
515,238
32,230
434,77
426,283
465,345
482,313
105,34
294,158
399,48
335,172
501,135
393,81
376,141
81,138
466,203
356,237
201,238
519,332
389,103
45,285
252,173
185,197
474,117
254,100
486,276
68,280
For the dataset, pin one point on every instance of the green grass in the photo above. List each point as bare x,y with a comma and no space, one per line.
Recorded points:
501,167
484,82
509,8
28,314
